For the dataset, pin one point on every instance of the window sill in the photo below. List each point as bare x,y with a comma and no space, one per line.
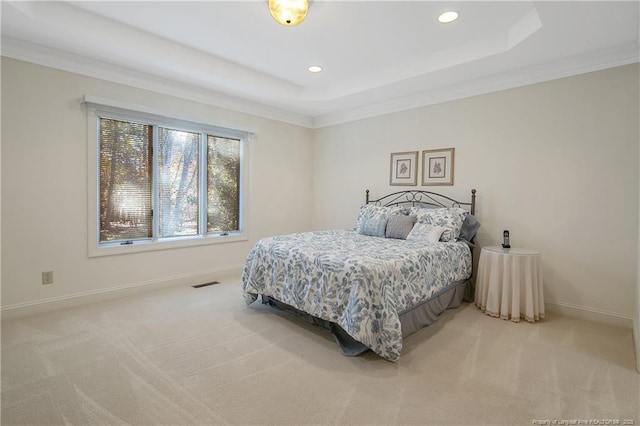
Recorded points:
167,244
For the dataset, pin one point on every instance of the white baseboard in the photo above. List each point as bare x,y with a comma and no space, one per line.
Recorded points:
62,302
585,312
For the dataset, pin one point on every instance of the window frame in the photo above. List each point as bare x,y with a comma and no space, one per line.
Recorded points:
101,108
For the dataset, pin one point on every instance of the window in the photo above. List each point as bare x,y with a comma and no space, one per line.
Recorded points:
163,183
126,201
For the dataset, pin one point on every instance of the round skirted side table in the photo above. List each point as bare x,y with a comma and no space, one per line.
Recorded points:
509,284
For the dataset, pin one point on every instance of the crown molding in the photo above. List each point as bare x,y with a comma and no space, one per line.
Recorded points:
565,67
66,61
580,64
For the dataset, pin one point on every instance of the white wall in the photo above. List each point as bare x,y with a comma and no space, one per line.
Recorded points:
636,323
44,188
556,163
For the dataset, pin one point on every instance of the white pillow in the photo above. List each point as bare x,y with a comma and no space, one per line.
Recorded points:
450,218
425,232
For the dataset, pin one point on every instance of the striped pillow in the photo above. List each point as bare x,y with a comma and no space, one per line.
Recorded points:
373,227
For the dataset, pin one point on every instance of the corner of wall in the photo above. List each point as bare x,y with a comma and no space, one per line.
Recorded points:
636,318
636,338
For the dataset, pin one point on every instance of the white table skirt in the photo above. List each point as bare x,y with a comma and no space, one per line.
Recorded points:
509,284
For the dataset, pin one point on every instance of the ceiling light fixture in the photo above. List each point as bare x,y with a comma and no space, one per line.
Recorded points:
288,12
315,68
447,17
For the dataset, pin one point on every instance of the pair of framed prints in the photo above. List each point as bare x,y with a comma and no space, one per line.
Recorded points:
437,167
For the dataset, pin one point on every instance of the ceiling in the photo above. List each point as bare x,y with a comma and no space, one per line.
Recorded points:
377,56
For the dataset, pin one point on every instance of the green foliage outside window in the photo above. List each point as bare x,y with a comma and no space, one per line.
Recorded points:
127,192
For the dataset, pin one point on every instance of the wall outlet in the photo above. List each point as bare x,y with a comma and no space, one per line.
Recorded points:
47,277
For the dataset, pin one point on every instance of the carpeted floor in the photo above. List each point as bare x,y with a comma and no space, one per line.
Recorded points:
201,356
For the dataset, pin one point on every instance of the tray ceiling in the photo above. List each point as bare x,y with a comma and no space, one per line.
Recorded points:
377,56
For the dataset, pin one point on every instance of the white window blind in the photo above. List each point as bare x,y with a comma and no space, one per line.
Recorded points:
162,182
126,150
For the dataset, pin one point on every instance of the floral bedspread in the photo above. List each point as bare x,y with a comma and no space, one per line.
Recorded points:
361,283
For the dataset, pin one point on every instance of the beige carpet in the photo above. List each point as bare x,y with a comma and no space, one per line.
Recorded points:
201,356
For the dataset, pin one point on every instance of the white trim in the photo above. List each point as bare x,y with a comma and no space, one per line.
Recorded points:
112,106
93,184
55,58
41,306
172,243
588,313
565,67
96,107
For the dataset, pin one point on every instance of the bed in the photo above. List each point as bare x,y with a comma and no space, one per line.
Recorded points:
407,260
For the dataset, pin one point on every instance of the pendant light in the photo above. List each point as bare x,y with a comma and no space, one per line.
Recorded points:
288,12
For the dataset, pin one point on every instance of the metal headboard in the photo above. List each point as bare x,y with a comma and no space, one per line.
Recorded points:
416,197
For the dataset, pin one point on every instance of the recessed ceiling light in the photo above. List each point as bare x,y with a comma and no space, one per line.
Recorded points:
447,17
315,68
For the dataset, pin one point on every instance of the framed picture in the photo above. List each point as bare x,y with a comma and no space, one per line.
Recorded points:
437,166
404,168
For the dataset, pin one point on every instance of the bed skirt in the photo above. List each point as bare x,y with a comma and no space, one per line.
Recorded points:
411,320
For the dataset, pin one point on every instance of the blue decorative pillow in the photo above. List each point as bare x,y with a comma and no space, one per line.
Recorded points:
469,228
373,227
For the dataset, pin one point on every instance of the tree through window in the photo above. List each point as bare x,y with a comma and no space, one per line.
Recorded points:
125,180
194,189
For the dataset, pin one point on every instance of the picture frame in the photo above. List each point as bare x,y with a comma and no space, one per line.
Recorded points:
438,166
404,169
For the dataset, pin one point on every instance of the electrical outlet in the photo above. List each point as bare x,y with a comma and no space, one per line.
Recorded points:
47,277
